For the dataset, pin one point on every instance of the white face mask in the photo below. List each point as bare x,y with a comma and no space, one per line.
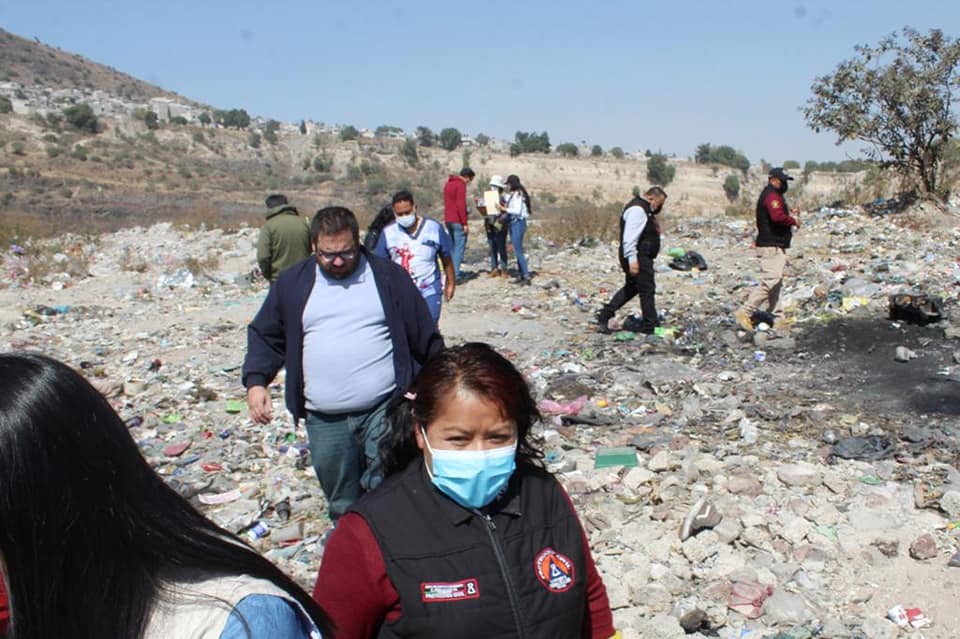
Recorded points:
406,221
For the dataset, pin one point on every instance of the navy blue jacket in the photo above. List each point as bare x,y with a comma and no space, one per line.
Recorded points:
277,330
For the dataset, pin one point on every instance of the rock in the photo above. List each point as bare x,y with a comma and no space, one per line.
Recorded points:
923,547
801,474
788,609
636,477
879,628
728,530
694,550
950,504
661,627
904,354
744,485
662,461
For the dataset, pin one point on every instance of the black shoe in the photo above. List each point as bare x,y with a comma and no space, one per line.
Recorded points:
603,327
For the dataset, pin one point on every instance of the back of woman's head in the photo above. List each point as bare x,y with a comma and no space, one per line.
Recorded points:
474,368
88,531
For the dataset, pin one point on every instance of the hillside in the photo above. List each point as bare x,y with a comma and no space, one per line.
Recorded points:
30,62
181,167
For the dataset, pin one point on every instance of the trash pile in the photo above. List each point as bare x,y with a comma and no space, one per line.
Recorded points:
794,481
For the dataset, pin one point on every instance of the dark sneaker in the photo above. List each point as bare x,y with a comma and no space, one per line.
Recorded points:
603,326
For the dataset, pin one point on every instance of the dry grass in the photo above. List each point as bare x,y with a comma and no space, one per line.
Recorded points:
580,221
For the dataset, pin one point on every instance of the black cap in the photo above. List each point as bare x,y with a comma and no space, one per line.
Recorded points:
778,172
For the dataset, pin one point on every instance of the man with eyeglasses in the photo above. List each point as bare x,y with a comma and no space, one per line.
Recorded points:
353,331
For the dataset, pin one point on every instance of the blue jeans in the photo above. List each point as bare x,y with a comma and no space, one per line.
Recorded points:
518,227
433,296
497,241
344,451
459,245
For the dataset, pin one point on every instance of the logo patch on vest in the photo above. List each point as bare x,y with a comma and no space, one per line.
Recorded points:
449,591
555,571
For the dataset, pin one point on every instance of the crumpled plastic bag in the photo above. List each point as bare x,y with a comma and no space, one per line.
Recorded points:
550,407
868,448
747,598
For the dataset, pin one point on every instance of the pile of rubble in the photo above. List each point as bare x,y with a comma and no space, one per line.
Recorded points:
792,483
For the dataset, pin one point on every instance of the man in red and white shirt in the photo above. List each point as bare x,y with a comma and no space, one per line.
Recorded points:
775,223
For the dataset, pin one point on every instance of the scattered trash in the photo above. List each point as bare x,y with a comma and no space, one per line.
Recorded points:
867,448
175,450
916,309
550,407
622,456
904,617
747,597
234,406
904,354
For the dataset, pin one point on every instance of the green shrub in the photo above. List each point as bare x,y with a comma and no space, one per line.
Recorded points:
18,148
482,139
731,187
408,151
450,139
348,133
659,171
253,139
596,151
6,106
81,116
568,150
617,152
152,120
791,164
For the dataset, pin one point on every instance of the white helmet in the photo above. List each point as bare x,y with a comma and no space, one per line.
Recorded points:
497,181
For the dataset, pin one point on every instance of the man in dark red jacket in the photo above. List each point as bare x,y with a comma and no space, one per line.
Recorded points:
774,232
455,214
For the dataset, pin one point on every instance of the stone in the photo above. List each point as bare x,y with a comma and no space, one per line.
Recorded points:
636,477
923,547
879,628
788,609
740,484
950,504
801,474
694,550
661,627
662,461
728,530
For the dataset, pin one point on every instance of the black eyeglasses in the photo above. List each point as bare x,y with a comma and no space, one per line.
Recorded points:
346,256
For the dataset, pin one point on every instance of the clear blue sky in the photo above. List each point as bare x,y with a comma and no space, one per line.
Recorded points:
662,75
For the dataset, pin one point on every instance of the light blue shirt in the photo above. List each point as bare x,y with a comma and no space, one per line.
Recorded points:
266,617
347,350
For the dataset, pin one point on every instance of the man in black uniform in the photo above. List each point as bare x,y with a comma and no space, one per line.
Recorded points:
774,224
639,245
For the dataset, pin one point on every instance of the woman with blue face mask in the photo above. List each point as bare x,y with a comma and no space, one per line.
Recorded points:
468,536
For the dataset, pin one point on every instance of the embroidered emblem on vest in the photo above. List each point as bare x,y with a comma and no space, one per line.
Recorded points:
449,591
555,571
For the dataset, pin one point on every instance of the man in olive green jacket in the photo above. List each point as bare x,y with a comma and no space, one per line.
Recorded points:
284,238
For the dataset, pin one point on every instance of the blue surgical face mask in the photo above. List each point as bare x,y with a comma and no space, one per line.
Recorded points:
472,478
406,221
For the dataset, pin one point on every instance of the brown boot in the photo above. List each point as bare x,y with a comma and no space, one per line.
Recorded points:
494,273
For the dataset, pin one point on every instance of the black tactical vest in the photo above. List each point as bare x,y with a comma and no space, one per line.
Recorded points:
517,571
649,241
768,232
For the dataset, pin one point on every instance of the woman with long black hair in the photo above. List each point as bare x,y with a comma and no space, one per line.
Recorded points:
94,544
518,209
